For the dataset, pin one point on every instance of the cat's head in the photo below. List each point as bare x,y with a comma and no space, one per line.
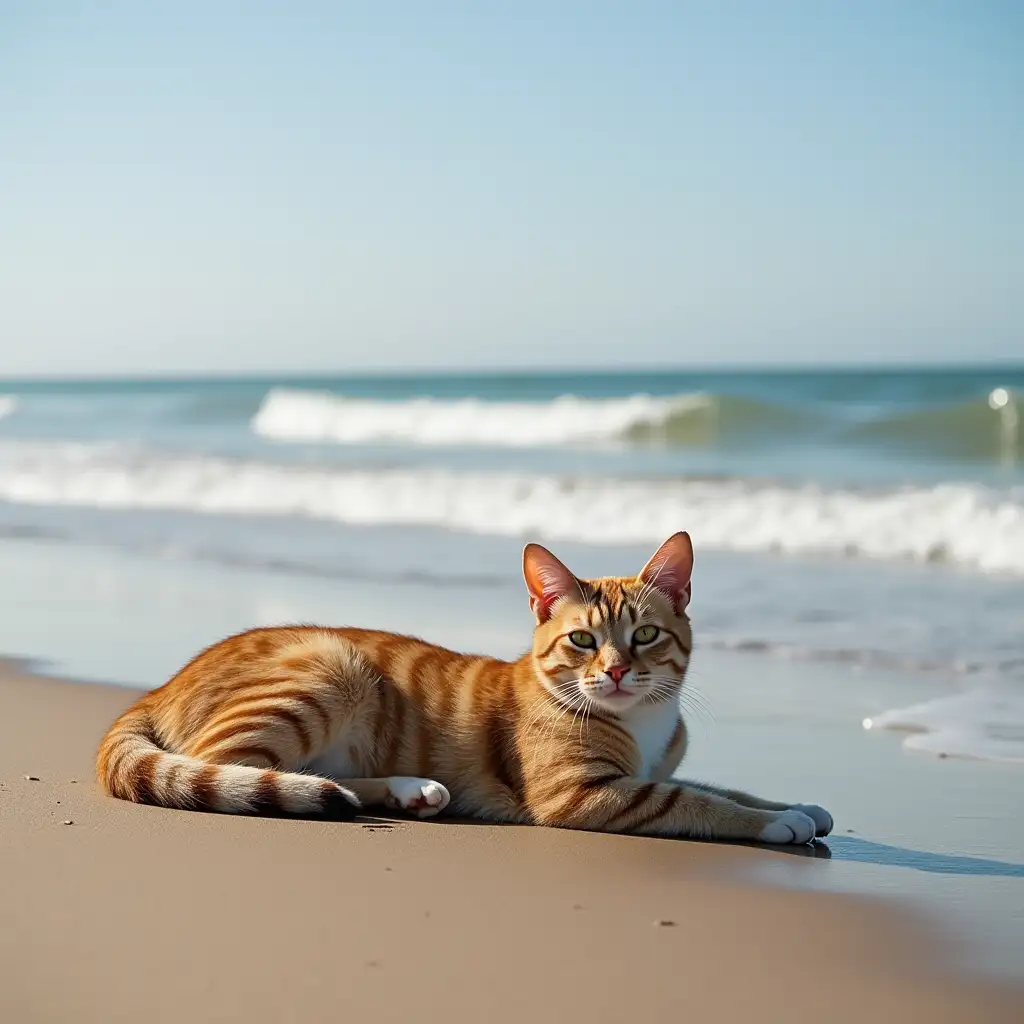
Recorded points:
618,641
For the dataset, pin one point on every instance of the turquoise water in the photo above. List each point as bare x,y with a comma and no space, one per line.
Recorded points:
870,518
856,426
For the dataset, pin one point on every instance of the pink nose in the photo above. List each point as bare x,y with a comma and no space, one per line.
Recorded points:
617,672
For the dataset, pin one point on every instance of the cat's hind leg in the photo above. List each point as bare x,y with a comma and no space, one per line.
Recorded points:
422,797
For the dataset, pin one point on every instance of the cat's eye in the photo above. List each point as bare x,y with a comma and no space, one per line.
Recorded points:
646,634
581,638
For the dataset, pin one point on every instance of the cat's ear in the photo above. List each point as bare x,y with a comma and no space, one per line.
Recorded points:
670,568
546,579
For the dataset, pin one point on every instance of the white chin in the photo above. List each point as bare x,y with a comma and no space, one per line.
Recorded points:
616,700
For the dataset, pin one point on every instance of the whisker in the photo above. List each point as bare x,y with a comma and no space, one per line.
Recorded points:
699,710
584,704
548,701
553,702
553,723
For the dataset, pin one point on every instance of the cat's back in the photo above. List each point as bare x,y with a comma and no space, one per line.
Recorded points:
418,667
409,662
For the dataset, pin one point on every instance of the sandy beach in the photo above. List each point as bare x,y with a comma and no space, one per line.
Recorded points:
324,315
134,912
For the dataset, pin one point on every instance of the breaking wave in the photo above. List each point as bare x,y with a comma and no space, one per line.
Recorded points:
968,525
8,403
983,428
294,415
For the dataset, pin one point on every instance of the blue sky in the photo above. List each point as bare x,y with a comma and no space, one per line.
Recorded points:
255,187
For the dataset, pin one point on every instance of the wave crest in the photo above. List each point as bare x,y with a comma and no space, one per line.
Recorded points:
294,415
977,429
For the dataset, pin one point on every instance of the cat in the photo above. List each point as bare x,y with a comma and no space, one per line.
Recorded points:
583,731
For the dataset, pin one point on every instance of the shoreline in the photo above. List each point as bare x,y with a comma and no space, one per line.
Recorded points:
136,911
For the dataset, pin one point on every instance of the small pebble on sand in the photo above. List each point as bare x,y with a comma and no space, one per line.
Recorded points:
664,923
31,778
68,821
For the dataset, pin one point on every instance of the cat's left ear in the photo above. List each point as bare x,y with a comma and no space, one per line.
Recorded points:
670,569
547,580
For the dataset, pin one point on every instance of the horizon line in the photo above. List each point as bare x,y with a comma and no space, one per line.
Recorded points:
734,369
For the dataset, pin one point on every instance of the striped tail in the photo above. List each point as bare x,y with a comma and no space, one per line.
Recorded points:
131,765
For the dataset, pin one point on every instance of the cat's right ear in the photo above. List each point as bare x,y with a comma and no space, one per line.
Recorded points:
547,580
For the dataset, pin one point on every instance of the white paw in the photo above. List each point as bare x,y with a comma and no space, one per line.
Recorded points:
790,826
423,796
821,818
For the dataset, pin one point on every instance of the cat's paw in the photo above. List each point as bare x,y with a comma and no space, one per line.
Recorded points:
423,797
790,826
822,819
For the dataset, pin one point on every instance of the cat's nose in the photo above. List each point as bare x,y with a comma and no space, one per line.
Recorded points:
617,672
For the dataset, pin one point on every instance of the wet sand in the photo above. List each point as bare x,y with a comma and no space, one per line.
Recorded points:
136,913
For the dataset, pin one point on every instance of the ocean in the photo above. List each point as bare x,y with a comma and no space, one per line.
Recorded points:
868,519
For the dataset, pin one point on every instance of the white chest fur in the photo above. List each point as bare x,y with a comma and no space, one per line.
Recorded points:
651,726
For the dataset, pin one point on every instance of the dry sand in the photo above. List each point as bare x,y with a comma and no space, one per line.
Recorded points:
142,914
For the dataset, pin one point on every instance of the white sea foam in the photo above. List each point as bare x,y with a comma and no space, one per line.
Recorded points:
8,403
293,415
986,723
969,525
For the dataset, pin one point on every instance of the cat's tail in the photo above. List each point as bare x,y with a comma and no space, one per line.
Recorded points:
131,765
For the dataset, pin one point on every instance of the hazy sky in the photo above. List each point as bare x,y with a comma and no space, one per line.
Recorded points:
299,186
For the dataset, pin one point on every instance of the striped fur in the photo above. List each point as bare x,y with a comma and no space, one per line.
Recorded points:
583,731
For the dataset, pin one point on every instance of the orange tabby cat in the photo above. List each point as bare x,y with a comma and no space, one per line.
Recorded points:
584,731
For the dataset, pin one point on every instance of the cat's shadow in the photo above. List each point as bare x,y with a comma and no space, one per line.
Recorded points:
865,851
843,847
386,822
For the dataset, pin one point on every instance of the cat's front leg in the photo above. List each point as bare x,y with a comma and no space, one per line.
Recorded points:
619,803
823,822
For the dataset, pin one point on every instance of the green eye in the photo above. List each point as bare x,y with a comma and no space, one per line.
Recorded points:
646,634
581,638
